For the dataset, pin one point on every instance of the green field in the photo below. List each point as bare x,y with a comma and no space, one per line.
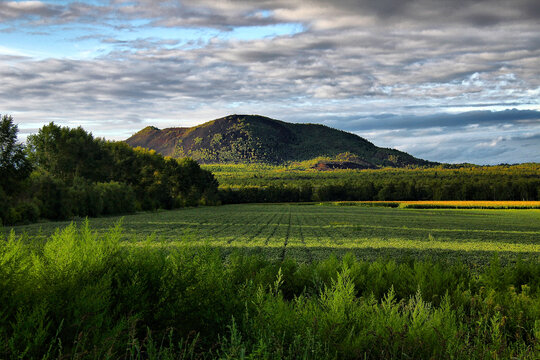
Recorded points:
312,232
258,281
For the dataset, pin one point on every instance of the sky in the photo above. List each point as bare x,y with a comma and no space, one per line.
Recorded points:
449,81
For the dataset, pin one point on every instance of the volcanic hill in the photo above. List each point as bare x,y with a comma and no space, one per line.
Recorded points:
259,139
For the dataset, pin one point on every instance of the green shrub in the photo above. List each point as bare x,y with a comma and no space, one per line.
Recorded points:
117,198
85,295
28,211
53,197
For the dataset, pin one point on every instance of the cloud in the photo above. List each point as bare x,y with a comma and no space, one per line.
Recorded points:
10,10
384,68
318,13
440,120
487,145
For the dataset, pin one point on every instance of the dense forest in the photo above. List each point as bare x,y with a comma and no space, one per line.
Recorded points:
299,182
258,139
63,172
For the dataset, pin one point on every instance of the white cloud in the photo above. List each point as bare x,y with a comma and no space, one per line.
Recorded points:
353,62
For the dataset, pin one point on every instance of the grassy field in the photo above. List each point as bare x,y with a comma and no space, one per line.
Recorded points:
312,232
259,282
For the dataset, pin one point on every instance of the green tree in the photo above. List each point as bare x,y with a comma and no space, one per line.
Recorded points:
68,153
14,165
79,175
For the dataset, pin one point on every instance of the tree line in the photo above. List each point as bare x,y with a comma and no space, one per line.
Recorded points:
388,190
64,172
247,184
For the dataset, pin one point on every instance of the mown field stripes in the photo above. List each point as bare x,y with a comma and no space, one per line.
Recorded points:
310,232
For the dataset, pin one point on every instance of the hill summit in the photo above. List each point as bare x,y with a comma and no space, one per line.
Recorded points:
259,139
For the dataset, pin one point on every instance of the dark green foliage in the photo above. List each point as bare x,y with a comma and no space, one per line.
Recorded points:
14,165
80,295
86,200
14,169
117,198
258,139
52,195
78,175
55,200
68,153
257,183
161,182
3,209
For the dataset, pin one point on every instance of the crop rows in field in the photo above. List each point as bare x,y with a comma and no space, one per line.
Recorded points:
309,232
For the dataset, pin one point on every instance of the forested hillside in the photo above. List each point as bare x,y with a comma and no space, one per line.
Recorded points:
258,139
65,172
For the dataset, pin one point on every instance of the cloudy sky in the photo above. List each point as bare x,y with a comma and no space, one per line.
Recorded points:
451,81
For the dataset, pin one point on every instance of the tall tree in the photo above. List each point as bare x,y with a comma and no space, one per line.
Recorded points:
67,153
14,165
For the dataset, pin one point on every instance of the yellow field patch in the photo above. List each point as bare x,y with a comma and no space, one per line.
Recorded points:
478,203
456,204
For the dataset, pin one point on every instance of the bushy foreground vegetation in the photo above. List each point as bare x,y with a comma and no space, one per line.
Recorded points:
65,172
298,182
83,295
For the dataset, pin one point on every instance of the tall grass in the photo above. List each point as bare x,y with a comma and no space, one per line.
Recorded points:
82,295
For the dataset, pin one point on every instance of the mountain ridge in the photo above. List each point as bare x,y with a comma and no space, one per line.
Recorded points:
259,139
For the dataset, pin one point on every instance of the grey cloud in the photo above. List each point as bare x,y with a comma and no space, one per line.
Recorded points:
481,145
140,43
469,105
157,12
527,137
363,66
472,12
225,15
278,69
482,118
28,9
45,12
